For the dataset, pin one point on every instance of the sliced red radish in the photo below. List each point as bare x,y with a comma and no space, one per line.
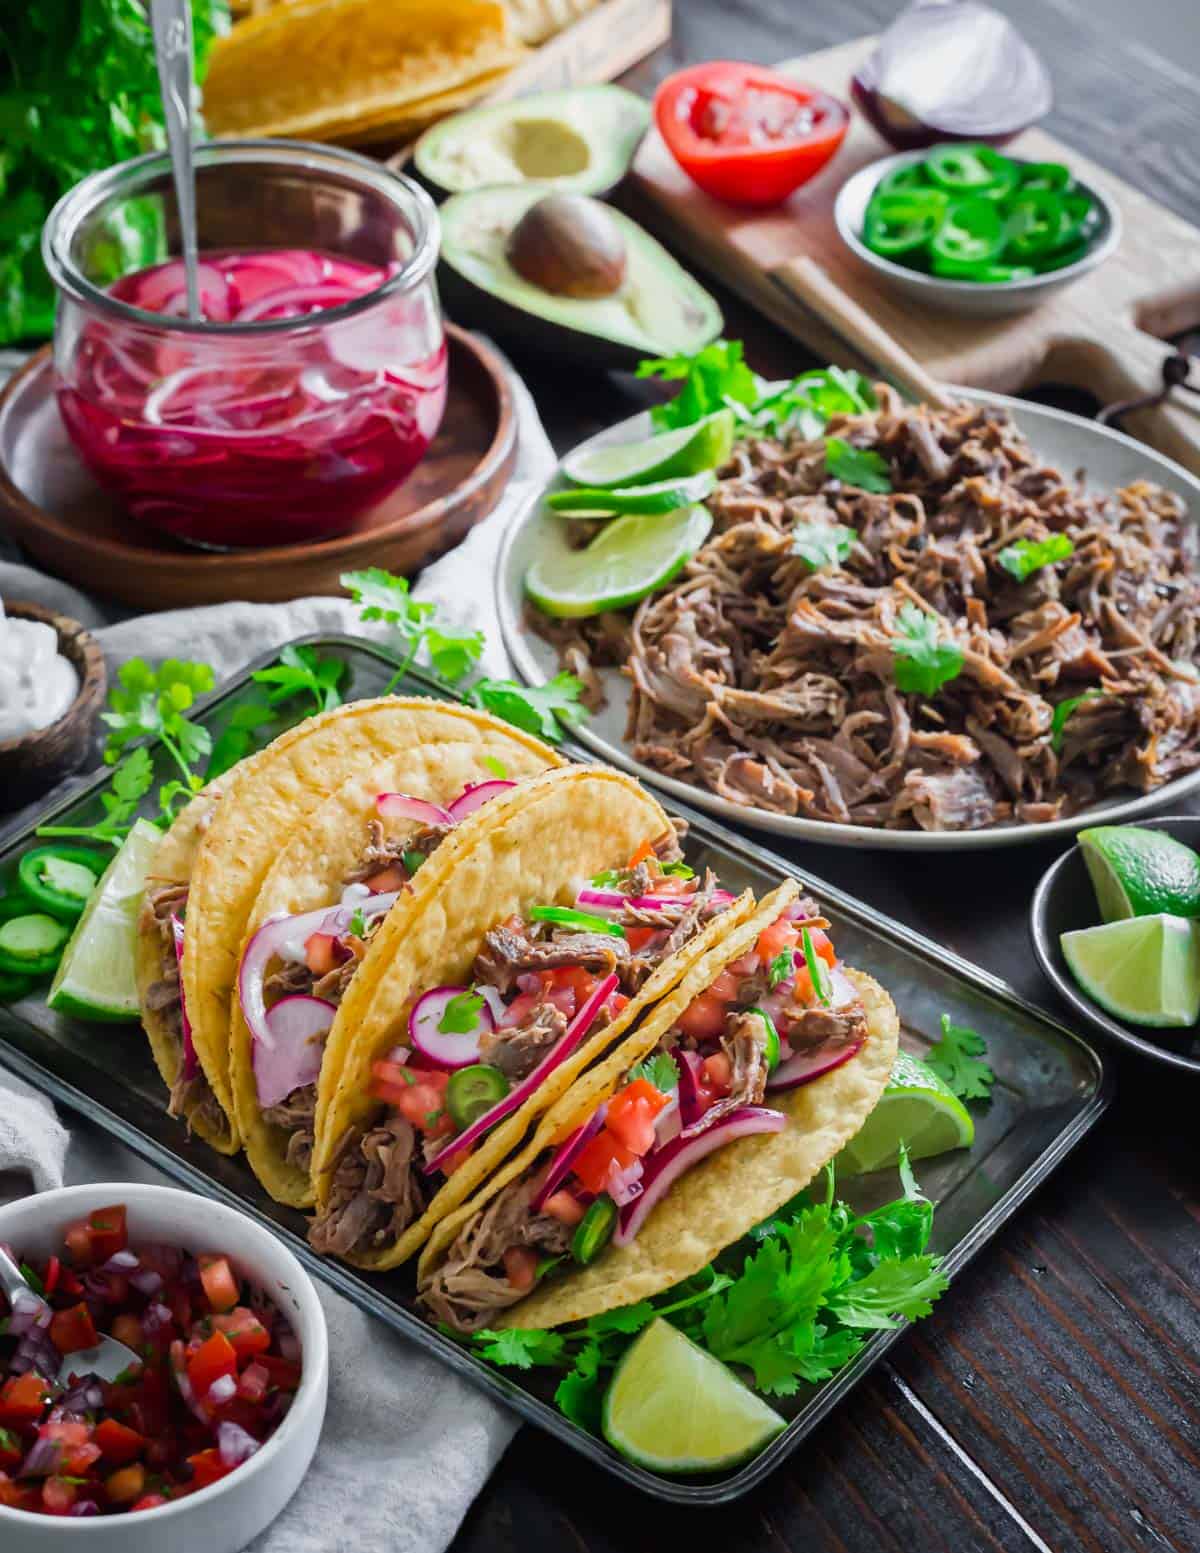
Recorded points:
474,797
290,1058
561,1163
448,1050
191,1064
806,1066
402,806
664,1167
517,1096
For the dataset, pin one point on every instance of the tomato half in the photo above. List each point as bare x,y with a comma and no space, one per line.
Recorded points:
745,134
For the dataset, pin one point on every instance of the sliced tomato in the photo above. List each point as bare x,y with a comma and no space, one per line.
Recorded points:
23,1399
245,1331
638,937
704,1017
321,953
592,1163
520,1266
207,1467
106,1231
118,1443
214,1357
219,1282
73,1329
631,1113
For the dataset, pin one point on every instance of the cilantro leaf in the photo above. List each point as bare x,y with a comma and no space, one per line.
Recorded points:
781,967
303,671
922,663
233,743
898,1286
412,860
358,924
957,1061
659,1070
823,544
1063,712
859,467
496,767
453,654
386,597
1026,556
580,1397
131,780
538,709
715,376
518,1348
461,1014
676,870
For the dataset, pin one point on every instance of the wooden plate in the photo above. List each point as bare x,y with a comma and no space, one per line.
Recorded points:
73,528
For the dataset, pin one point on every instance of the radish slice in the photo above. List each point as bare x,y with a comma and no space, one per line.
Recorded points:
664,1167
191,1064
402,806
517,1096
563,1160
474,797
806,1066
291,1057
448,1051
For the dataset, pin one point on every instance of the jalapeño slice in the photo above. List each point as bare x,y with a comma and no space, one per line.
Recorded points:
582,921
472,1091
594,1230
771,1045
60,879
972,232
967,169
31,945
900,223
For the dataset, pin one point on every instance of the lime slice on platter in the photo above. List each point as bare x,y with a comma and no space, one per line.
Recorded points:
671,1407
628,559
96,978
1145,970
671,455
1138,872
917,1109
662,497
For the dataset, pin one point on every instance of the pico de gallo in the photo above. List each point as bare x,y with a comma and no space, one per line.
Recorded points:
780,1015
217,1367
475,1053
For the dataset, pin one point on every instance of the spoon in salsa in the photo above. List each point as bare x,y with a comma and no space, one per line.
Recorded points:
171,21
106,1360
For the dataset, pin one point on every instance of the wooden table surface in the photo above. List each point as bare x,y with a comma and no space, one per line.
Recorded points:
1052,1400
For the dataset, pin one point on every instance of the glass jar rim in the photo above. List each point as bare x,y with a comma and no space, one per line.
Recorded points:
132,175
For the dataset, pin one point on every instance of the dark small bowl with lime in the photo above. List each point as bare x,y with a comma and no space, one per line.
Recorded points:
1065,902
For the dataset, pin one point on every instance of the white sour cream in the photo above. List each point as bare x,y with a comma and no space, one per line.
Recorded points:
37,684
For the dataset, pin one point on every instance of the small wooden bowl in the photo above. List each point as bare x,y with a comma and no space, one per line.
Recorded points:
32,764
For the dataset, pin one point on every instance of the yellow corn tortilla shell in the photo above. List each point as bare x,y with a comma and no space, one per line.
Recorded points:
535,21
265,799
298,68
407,120
539,845
308,873
727,1193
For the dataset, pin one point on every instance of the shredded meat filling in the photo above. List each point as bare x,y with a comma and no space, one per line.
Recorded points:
518,1051
376,1192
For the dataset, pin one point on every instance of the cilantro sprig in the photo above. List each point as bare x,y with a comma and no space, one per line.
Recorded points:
781,967
659,1070
922,661
1063,712
461,1013
821,545
302,671
543,710
131,781
958,1061
859,467
1025,556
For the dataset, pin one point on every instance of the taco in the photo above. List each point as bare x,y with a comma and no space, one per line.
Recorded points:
724,1101
212,862
528,945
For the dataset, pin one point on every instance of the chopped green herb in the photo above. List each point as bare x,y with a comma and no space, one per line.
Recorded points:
605,880
859,467
496,767
461,1014
675,871
957,1059
32,1279
922,663
1063,713
302,671
1026,556
543,710
659,1070
821,545
412,860
358,924
781,966
714,377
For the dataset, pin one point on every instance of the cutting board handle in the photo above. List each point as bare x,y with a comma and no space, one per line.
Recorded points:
805,280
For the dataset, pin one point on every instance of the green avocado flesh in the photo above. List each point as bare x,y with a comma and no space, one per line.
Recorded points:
657,310
581,140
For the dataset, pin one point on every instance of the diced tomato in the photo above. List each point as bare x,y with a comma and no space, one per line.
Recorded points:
455,1161
422,1106
615,1003
218,1281
74,1439
519,1010
106,1231
704,1017
643,852
321,953
389,1080
631,1113
592,1163
284,1373
53,1273
127,1329
11,1451
520,1266
149,1502
775,938
563,1207
125,1485
638,937
387,879
73,1329
716,1073
215,1357
58,1495
22,1399
117,1442
17,1496
245,1331
78,1241
253,1382
207,1467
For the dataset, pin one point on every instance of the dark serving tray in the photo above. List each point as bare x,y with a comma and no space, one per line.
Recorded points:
1051,1087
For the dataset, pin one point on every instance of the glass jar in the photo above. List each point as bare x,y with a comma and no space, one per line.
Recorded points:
316,378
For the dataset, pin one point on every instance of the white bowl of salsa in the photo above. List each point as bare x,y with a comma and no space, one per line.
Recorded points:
227,1513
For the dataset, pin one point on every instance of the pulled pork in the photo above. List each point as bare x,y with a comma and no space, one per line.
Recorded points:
382,851
774,686
376,1191
518,1051
296,1115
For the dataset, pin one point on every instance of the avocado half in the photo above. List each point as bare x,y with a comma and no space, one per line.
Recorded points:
657,309
581,139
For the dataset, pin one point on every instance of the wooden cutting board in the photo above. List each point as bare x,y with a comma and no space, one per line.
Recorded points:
1101,334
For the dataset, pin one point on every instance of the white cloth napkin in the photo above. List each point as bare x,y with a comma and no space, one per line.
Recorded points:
406,1444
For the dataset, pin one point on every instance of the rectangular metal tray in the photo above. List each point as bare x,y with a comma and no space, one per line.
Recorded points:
1051,1087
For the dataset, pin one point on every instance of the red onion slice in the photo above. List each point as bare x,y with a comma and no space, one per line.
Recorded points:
234,1443
664,1167
691,1107
565,1158
624,1186
474,796
291,1056
447,1050
402,806
191,1064
806,1066
517,1096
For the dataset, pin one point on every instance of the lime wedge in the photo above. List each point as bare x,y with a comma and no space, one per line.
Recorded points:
665,496
1145,970
668,456
1138,872
672,1407
96,977
917,1109
625,561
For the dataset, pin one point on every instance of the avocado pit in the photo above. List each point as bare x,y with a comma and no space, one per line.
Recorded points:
568,244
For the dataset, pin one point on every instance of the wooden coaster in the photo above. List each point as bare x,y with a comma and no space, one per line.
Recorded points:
71,527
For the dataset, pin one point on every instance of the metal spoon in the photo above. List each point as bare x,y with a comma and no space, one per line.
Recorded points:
171,21
107,1359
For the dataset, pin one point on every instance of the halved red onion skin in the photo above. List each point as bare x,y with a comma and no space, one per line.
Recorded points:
291,1057
664,1167
447,1051
806,1066
475,795
561,1163
191,1063
517,1096
403,806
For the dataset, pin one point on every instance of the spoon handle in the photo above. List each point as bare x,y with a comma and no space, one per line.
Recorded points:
10,1277
171,21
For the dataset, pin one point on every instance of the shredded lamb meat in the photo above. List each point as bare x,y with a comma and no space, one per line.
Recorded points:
774,685
376,1190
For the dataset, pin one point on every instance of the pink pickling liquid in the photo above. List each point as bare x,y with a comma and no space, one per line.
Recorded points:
229,441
